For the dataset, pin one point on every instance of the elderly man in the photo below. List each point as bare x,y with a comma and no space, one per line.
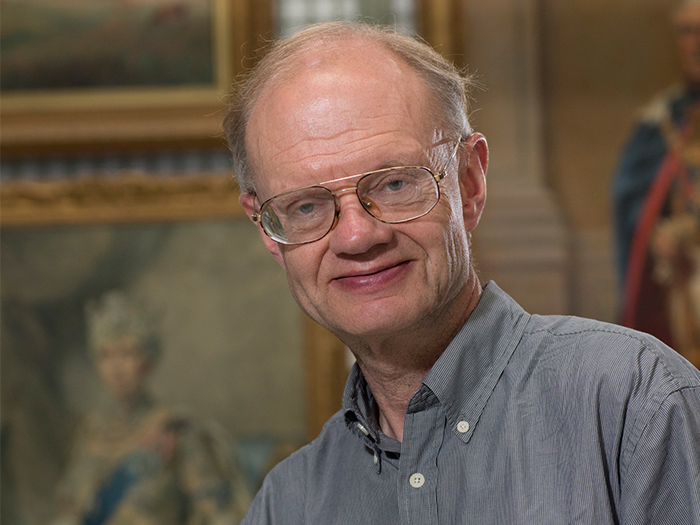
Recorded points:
357,162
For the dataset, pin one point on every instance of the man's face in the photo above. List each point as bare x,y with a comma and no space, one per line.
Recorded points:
343,117
122,367
688,40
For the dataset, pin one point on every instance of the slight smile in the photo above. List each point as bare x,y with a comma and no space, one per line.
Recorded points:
373,281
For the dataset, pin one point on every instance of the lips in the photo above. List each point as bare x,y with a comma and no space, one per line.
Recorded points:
372,280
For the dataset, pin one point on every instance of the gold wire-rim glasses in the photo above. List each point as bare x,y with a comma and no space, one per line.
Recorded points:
367,205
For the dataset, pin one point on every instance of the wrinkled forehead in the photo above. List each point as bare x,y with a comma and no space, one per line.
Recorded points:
338,99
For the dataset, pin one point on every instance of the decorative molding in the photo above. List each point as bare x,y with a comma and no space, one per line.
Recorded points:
94,120
127,197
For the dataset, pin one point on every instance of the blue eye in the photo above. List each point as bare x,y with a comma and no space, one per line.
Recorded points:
306,208
396,185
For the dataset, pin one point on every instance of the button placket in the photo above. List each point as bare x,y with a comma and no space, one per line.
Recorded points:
422,439
417,480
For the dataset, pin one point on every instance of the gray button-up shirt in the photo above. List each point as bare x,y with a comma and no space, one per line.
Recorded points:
523,420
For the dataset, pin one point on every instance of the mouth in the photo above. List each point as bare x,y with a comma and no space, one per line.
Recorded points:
373,280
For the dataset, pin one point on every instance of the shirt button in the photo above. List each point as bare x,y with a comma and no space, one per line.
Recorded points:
463,427
416,480
363,429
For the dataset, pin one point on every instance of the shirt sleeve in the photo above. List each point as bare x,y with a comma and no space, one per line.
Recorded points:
662,481
281,500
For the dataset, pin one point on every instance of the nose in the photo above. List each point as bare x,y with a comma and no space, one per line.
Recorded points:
356,231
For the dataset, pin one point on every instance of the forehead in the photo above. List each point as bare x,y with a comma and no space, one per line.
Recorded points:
688,14
339,109
125,345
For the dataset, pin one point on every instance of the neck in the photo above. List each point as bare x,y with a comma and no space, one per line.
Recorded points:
394,368
132,405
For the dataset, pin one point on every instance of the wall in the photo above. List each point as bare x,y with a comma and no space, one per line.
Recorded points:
601,61
562,82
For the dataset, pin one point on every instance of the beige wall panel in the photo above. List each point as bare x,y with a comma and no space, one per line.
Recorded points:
601,60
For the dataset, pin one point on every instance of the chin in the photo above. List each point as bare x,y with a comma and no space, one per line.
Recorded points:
377,322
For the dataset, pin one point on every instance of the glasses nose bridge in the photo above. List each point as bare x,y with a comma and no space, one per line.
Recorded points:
341,191
349,189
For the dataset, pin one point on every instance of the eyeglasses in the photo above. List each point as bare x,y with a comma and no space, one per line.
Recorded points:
391,195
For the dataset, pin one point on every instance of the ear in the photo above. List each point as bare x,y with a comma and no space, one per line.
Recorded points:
247,201
473,164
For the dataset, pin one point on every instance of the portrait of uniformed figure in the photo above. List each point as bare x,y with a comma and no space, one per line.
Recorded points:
657,204
135,461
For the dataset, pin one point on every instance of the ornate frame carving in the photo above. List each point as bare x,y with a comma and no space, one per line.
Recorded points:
99,120
137,197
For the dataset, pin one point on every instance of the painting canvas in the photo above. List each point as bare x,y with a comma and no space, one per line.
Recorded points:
114,75
68,44
230,332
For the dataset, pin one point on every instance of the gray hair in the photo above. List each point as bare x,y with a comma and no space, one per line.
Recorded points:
449,85
114,316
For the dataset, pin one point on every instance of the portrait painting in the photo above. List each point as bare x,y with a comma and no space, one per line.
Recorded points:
232,341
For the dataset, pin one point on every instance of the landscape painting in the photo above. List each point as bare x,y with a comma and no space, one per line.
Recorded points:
106,44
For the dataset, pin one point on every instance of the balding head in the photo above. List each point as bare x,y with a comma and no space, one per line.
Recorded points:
325,43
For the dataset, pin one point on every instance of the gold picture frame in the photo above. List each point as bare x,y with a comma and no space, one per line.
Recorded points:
265,387
138,198
88,123
92,120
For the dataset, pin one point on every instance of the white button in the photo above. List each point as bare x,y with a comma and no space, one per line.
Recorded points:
363,429
376,458
416,480
462,427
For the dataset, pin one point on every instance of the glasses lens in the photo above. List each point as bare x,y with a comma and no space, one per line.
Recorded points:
299,216
398,194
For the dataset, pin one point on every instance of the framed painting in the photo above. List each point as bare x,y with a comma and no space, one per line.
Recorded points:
84,75
235,348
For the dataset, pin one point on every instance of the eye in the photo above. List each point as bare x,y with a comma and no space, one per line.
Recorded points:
305,208
395,185
392,181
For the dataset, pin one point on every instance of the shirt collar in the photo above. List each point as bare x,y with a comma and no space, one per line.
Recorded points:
464,376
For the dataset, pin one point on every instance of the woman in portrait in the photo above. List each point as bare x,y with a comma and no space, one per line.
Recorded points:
136,461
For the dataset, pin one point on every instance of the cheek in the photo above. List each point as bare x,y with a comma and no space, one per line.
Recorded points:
302,263
454,236
688,47
132,369
104,369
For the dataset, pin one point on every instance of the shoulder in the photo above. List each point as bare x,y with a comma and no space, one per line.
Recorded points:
658,110
607,366
652,124
286,489
608,347
314,457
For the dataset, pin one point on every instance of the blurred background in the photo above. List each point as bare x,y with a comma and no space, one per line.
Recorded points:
115,176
